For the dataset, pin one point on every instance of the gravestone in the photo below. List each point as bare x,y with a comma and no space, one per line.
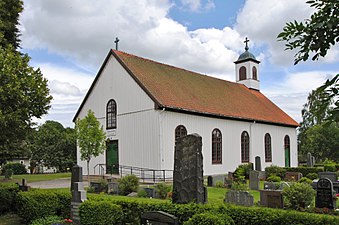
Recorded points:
243,198
293,176
150,192
113,188
228,183
330,175
310,162
230,175
23,186
78,193
283,185
188,180
209,181
158,218
216,178
76,175
325,193
271,198
254,180
271,185
257,163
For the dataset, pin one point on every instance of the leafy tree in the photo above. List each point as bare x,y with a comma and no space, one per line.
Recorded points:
91,138
9,20
316,34
321,141
23,95
53,146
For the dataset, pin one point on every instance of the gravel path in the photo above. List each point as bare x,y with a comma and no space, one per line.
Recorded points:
58,183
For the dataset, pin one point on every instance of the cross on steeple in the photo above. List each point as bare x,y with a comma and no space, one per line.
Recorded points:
116,43
246,41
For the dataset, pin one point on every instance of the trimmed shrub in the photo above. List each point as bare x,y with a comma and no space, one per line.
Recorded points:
8,174
305,180
48,220
298,195
243,171
162,189
128,184
273,178
209,219
305,170
142,193
219,184
40,203
17,168
312,176
330,168
100,213
8,193
275,171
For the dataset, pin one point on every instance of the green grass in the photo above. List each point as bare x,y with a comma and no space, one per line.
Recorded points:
35,177
10,219
217,195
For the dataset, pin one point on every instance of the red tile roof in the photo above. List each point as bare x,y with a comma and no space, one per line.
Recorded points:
176,88
182,90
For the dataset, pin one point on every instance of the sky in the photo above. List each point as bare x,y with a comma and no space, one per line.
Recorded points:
69,40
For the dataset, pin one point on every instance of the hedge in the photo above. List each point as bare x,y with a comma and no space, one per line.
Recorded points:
132,210
100,213
17,168
40,203
304,170
8,193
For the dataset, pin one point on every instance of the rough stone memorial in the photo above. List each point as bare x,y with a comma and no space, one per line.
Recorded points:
325,193
243,198
254,180
271,198
188,179
158,218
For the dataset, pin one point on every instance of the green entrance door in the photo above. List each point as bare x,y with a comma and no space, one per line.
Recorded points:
287,157
112,159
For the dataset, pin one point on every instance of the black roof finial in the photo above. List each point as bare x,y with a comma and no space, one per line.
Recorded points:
116,43
246,41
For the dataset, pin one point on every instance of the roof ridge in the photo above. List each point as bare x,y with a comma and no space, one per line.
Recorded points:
175,67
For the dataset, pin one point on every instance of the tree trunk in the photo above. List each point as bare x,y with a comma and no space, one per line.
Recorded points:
88,172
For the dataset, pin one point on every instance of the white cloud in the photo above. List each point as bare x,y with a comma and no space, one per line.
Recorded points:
291,93
263,20
198,5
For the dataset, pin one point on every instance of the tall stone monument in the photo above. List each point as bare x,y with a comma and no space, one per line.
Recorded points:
78,193
188,179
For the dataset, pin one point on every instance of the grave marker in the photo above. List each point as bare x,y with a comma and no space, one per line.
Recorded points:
325,193
254,180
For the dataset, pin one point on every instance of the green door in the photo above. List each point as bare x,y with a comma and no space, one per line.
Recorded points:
112,159
287,157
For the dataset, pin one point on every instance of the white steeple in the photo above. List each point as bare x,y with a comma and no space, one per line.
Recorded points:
247,69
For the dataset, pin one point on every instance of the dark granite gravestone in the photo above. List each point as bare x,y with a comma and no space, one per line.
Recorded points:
158,218
78,193
209,181
76,175
257,163
23,186
271,198
254,180
188,180
150,192
330,175
243,198
325,193
293,176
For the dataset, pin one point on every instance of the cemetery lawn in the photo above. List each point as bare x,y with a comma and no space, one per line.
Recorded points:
35,177
10,219
217,195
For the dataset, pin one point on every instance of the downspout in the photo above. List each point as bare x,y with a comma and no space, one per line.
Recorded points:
161,146
251,139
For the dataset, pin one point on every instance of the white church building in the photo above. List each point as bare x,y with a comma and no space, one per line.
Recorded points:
145,105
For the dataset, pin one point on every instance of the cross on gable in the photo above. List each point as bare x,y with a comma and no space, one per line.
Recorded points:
246,42
116,43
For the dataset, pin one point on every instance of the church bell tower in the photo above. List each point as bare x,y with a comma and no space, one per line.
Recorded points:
247,69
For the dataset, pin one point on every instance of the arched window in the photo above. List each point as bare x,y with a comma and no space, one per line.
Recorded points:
180,131
268,148
287,151
242,73
216,146
245,147
111,115
254,72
